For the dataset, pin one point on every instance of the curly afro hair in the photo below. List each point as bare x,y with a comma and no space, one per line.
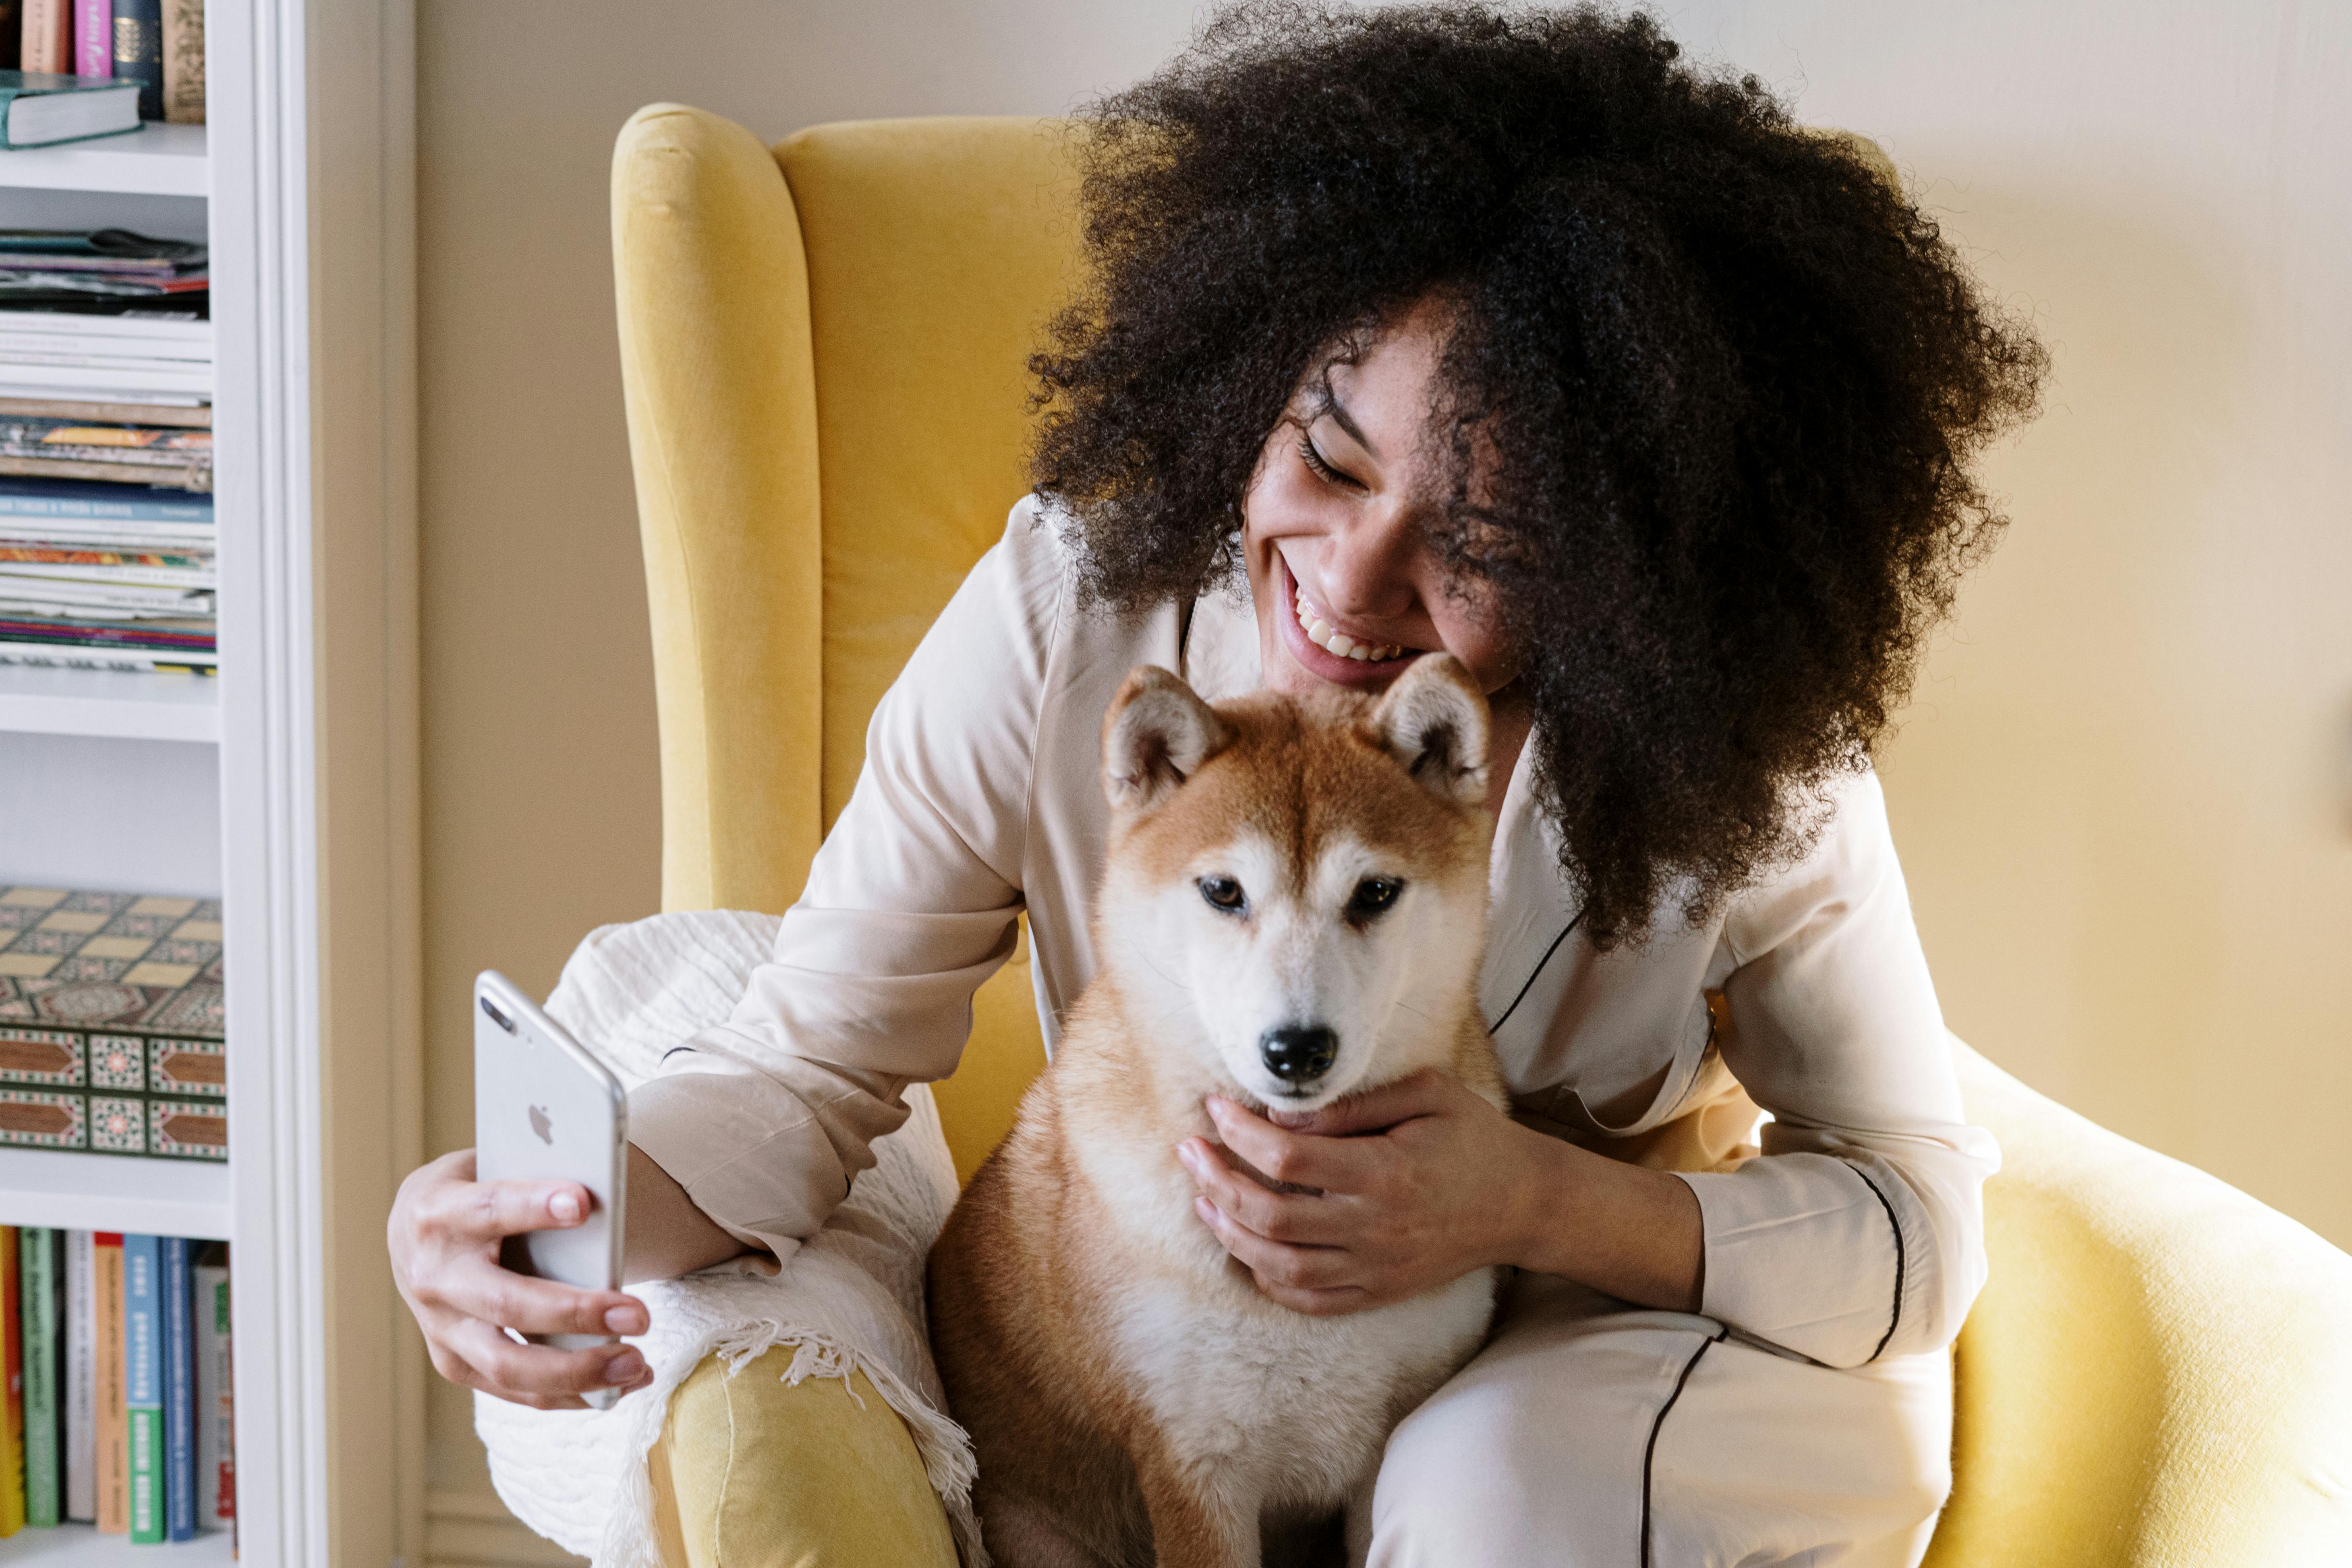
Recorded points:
1727,379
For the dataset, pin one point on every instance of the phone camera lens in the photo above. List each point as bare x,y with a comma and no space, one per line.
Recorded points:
501,1019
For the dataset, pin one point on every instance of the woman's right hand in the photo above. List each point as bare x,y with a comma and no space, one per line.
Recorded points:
445,1234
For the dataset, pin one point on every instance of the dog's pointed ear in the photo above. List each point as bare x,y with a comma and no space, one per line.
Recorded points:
1432,718
1155,735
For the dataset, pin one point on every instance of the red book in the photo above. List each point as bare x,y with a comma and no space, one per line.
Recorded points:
93,37
48,36
12,1434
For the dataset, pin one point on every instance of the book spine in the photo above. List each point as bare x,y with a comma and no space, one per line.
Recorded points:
139,51
179,1394
183,62
113,1413
93,37
215,1398
70,656
82,1378
48,36
143,1381
12,1422
36,1273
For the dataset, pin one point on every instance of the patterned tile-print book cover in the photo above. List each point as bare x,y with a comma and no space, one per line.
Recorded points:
112,1027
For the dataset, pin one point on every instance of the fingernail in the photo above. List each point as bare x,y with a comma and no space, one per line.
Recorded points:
626,1367
565,1207
1190,1161
624,1321
1205,1209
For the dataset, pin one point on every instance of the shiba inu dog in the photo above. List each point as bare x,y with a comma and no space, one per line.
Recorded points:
1292,910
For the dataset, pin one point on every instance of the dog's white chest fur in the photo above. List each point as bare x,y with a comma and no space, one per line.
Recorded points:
1294,1408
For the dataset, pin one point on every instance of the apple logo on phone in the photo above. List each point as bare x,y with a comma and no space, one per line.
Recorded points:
540,1125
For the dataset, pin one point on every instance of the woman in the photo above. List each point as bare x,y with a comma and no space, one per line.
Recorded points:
1513,336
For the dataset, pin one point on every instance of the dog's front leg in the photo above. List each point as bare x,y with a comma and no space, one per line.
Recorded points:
1201,1518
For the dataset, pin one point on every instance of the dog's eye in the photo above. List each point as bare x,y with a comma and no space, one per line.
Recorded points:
1223,893
1373,896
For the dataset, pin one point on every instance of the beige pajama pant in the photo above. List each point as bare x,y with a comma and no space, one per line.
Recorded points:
1590,1434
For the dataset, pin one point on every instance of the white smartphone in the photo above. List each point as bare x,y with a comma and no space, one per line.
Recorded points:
546,1109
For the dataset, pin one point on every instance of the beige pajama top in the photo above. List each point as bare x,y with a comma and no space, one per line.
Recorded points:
1857,1234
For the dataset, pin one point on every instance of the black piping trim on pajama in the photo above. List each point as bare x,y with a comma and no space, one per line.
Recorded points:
1530,982
1650,1453
1894,1317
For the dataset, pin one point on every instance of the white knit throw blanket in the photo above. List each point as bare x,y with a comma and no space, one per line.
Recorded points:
851,1299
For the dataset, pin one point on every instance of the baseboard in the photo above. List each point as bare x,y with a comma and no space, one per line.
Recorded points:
473,1529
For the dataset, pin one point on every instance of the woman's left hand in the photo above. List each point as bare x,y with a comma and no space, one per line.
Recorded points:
1418,1183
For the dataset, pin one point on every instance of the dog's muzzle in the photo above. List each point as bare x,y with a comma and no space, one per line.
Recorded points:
1298,1053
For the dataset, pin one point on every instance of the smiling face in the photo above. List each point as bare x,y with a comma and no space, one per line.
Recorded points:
1345,583
1295,898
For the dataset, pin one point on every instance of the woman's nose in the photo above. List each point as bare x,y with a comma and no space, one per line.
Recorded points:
1365,566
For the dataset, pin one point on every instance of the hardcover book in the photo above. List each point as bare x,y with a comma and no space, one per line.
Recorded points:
113,1413
38,1256
112,1027
143,1381
12,1422
93,37
40,109
216,1396
47,35
139,51
179,1485
81,1377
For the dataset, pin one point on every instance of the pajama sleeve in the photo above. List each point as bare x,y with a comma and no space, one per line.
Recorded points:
911,904
1859,1233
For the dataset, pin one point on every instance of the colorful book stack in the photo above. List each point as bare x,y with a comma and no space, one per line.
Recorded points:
157,44
107,537
120,1411
112,1031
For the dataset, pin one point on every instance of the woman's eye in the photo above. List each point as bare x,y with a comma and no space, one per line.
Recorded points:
1373,896
1223,893
1321,466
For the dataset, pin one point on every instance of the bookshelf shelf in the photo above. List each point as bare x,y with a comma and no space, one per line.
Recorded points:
118,703
113,1192
81,1546
154,161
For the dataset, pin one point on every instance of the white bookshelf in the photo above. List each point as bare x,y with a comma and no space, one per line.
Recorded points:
303,185
153,161
115,704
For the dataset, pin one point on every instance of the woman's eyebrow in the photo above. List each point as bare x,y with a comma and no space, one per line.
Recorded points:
1346,421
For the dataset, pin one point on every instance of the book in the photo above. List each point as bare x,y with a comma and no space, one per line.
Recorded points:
113,1465
143,1381
25,376
48,37
82,1378
115,1040
12,35
70,592
149,568
93,37
183,62
95,509
179,1468
41,108
11,1366
216,1394
168,633
37,1270
139,51
70,656
199,417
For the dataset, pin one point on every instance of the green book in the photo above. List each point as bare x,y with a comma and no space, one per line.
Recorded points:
142,1381
40,1277
38,108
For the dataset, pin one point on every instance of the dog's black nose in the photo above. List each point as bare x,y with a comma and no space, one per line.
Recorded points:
1298,1052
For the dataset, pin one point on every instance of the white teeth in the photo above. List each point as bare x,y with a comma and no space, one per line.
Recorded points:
1318,632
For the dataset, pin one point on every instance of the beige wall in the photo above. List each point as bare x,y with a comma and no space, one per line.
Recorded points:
2123,793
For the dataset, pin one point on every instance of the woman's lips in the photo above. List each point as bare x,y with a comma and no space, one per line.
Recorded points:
1337,668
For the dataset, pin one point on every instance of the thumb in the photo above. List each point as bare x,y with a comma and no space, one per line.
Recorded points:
1377,1109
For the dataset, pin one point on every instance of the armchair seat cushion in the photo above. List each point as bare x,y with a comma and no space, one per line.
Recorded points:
847,1309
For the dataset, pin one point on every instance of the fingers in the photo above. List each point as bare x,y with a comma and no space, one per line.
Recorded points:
484,1212
1277,1262
1297,1159
1296,1217
476,1287
512,1371
1426,1094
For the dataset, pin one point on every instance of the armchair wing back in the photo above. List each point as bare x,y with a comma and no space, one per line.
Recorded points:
823,348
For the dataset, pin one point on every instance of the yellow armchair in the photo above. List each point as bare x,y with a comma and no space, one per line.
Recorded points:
823,349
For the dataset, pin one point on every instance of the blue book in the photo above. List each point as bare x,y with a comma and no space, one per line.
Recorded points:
179,1394
91,500
139,51
142,1381
38,108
